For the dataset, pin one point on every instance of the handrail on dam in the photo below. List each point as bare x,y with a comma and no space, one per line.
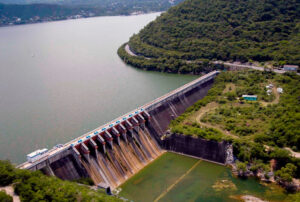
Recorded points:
111,124
179,90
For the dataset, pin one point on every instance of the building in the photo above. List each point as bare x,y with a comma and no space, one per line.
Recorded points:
250,97
36,155
291,68
270,86
279,90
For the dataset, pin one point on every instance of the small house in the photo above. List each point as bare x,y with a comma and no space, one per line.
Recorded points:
291,68
279,90
250,97
269,86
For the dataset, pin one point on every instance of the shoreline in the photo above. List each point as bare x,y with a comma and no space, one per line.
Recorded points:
234,64
97,16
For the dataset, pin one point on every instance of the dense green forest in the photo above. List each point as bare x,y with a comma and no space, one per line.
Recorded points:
35,186
41,11
195,31
83,2
259,130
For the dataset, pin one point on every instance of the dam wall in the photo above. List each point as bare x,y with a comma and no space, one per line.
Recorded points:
115,151
201,148
164,112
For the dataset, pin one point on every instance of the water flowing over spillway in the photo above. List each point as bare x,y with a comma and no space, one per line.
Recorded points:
114,152
110,163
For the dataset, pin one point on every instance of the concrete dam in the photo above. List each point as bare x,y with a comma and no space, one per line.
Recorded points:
112,153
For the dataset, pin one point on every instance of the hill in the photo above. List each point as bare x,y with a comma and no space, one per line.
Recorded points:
50,10
134,3
195,31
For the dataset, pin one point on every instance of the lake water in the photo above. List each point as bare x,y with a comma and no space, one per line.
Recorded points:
59,80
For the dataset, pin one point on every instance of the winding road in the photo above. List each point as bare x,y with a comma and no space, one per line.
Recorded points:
127,49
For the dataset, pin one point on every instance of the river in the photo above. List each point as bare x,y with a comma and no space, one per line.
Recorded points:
59,80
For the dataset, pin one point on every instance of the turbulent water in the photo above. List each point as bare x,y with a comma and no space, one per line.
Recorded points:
114,163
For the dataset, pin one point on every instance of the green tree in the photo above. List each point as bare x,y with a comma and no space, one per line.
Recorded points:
6,173
231,96
286,173
241,168
4,197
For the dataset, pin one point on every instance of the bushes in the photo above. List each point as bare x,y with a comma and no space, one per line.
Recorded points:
258,165
4,197
243,130
254,125
7,174
231,96
196,130
241,166
286,173
276,125
35,186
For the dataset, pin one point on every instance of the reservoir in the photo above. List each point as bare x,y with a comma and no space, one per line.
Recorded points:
59,80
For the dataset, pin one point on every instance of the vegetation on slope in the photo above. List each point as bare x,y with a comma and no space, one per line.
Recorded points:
4,197
35,186
258,132
245,30
41,10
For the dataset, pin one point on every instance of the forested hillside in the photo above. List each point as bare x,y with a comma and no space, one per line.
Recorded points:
238,30
49,10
